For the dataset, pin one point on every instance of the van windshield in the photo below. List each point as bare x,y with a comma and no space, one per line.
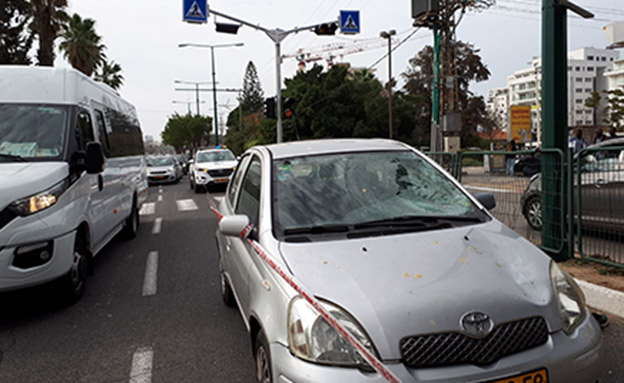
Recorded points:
32,131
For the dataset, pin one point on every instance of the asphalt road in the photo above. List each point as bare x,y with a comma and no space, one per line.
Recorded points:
179,331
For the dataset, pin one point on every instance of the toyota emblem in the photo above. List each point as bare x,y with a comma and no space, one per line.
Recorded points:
476,324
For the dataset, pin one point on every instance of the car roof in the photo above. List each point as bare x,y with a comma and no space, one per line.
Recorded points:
610,142
327,146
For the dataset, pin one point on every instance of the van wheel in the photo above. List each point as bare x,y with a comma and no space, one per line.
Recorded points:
72,285
131,226
263,359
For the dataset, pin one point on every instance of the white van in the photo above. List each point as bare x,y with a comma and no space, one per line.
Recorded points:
72,176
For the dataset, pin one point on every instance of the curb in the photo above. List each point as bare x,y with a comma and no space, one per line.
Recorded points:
603,299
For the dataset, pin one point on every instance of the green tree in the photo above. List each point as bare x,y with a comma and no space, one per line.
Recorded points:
614,112
49,17
187,132
81,45
109,72
419,80
252,97
15,39
593,102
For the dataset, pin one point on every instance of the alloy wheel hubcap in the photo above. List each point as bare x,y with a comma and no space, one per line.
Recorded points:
262,366
535,214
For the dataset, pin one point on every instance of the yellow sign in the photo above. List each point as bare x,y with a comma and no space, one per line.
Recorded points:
520,123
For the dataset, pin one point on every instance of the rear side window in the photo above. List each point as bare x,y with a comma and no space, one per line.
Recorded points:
249,199
102,134
235,184
124,135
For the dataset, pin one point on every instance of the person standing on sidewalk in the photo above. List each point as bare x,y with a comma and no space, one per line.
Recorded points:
577,143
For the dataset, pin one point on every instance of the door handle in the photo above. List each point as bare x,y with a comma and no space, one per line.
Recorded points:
100,182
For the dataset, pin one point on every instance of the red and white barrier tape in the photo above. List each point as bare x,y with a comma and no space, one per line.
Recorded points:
295,284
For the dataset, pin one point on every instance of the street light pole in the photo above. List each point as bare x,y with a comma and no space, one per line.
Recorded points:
197,84
214,88
388,35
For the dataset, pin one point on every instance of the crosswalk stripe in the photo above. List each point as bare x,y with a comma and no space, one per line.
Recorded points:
157,226
142,362
147,208
186,204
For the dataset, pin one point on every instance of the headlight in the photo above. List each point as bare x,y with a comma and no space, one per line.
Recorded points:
40,201
170,169
570,298
311,338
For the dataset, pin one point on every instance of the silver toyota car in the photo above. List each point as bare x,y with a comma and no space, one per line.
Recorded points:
406,260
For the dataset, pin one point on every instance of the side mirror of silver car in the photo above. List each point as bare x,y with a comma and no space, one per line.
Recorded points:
235,226
486,199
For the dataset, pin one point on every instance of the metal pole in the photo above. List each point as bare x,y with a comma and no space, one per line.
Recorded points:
196,97
435,99
554,122
390,86
214,98
278,102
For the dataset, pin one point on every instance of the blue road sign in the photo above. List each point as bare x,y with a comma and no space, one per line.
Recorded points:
195,11
350,22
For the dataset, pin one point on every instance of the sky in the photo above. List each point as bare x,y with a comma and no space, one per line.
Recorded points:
143,37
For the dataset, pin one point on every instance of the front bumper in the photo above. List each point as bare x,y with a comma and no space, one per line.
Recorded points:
13,278
161,178
205,179
571,359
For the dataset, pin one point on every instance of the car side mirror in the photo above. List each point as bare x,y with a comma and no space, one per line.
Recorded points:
235,226
486,199
94,158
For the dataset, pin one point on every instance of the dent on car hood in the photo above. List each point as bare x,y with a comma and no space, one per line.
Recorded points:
22,179
423,283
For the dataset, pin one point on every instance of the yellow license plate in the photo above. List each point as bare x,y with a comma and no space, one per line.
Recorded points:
538,376
222,180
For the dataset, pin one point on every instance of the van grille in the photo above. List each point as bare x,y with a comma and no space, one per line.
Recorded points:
456,348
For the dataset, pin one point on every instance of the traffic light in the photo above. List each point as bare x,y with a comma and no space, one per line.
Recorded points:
289,108
227,28
326,29
269,110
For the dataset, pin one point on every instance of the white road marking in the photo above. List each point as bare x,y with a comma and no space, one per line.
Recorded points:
157,226
495,190
186,204
142,362
160,189
159,198
151,271
147,208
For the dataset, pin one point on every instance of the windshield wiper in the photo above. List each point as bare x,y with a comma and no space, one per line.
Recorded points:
13,157
418,221
320,229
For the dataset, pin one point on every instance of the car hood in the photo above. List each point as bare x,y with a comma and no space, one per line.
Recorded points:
423,283
151,169
217,165
23,179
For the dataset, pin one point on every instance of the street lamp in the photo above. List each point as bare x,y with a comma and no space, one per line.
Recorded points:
197,84
214,88
388,35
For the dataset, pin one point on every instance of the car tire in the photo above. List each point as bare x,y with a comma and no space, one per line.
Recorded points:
226,291
191,183
262,356
71,286
198,189
131,226
533,212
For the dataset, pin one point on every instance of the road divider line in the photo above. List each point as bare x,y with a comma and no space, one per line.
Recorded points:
186,205
157,225
148,208
151,274
159,198
142,362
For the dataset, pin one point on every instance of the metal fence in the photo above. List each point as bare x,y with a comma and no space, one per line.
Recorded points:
599,197
595,187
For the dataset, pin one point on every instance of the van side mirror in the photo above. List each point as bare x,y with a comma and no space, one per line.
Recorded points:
486,199
94,158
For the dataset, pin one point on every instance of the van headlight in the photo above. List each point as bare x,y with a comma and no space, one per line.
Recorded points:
311,338
40,201
570,298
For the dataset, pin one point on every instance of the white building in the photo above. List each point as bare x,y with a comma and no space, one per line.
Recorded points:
587,68
615,75
498,105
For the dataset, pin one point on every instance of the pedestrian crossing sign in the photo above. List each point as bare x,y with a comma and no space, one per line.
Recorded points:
195,11
350,22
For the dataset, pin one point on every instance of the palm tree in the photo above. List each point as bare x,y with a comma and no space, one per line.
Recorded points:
49,17
81,44
110,74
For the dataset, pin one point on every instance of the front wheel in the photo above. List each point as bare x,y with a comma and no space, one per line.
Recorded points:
72,285
262,355
533,213
131,226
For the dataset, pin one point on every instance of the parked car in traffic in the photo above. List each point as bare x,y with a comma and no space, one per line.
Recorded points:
163,169
72,176
211,168
601,188
405,259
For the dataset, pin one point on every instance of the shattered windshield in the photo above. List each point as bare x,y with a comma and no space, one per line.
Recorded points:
32,131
